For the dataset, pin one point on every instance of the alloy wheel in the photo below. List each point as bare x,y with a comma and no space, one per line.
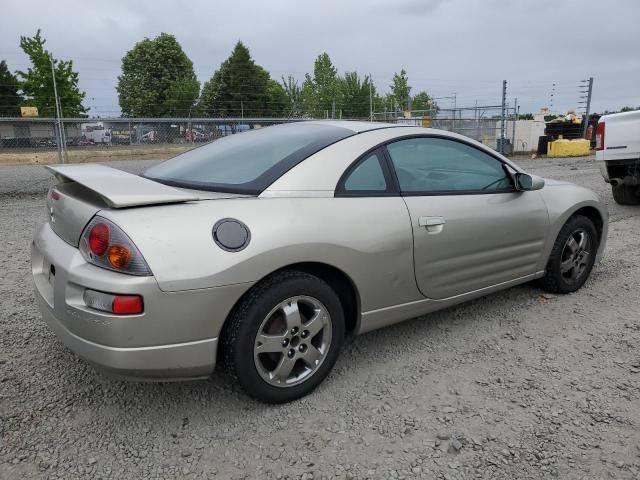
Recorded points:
292,341
576,255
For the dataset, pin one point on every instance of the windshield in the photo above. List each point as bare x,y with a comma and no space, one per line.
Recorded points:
247,162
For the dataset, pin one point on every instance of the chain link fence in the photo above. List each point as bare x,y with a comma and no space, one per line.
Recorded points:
23,136
28,135
486,124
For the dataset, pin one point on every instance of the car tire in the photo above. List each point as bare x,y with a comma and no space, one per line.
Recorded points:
297,354
626,194
571,261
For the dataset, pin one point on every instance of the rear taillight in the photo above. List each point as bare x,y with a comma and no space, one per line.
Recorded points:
99,239
112,303
600,136
104,244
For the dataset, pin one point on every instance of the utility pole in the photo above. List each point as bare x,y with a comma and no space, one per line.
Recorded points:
242,110
61,140
585,122
502,116
370,98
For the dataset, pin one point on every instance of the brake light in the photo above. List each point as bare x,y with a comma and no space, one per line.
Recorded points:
99,239
105,245
600,136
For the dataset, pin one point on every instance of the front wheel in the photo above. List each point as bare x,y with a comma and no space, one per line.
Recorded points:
572,256
283,338
626,194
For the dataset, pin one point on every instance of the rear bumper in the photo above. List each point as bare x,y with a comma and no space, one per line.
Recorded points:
162,362
175,338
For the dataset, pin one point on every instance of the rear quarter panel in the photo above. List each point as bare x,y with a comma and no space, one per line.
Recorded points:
369,239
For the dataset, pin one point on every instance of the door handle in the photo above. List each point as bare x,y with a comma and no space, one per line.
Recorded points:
431,221
433,224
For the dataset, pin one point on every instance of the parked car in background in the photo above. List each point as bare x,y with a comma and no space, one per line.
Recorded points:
151,136
263,250
618,151
98,135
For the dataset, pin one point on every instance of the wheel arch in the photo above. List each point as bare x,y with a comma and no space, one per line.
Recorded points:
594,215
341,283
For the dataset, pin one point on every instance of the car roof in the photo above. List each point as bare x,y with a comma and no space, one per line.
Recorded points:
355,126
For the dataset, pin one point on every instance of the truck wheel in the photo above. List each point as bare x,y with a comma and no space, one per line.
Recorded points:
572,256
283,338
626,194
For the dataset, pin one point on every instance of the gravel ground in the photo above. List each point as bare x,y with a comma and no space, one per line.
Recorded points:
519,384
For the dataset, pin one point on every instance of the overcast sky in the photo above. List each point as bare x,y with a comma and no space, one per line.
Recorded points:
466,47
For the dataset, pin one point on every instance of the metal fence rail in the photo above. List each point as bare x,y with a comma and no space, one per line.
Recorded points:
482,123
33,135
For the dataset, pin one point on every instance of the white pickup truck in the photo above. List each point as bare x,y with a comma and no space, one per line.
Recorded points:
618,150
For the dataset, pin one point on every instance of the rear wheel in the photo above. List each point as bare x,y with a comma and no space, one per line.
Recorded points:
284,337
626,194
572,256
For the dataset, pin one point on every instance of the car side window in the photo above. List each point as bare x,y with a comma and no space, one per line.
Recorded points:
432,164
367,176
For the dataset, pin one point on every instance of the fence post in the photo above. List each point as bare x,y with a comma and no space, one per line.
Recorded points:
58,115
502,116
515,118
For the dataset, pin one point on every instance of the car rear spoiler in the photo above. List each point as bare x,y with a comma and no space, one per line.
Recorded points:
120,189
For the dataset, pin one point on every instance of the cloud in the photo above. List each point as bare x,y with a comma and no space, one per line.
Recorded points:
462,46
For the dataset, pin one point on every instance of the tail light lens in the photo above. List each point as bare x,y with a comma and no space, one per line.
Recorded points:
111,303
600,136
99,239
105,245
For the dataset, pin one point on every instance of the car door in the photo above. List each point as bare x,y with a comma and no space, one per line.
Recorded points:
471,228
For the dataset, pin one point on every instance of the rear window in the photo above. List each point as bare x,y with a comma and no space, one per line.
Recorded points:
246,162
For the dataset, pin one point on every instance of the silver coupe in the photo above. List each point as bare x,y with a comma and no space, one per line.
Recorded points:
263,250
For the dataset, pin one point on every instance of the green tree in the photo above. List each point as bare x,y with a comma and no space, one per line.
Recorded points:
277,99
295,97
157,79
37,82
400,90
240,87
356,95
321,92
422,101
10,99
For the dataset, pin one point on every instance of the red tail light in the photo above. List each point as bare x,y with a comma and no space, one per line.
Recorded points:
113,303
99,239
105,245
600,136
127,304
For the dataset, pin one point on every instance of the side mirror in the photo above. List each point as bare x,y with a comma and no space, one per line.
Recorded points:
526,182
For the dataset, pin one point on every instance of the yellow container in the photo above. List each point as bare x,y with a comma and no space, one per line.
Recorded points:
578,147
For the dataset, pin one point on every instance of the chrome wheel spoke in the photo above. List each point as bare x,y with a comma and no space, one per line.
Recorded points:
312,356
584,239
292,314
270,343
316,323
572,244
566,265
283,369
